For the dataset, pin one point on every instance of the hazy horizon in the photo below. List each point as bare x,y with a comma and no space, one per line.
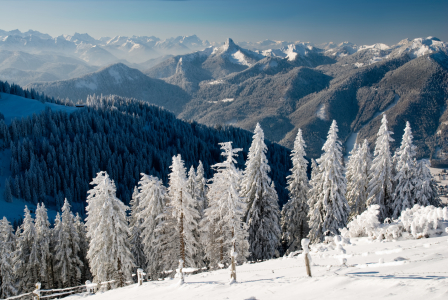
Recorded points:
216,20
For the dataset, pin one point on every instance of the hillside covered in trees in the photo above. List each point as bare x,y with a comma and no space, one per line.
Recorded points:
54,155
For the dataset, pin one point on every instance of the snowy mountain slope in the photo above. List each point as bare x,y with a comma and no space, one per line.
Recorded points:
402,270
230,75
265,45
354,97
118,80
23,68
188,76
168,67
24,77
95,55
135,49
266,93
15,107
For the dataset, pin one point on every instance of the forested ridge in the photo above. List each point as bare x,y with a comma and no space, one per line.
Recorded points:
55,155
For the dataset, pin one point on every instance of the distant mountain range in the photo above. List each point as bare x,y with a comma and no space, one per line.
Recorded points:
135,49
286,87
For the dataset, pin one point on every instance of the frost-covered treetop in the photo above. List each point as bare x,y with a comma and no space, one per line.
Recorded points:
384,139
256,163
406,153
332,147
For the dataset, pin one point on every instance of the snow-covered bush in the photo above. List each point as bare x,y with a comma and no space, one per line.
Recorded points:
364,224
424,221
416,222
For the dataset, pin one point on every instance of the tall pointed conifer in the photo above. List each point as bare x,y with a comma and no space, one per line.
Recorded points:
330,210
109,253
295,211
380,178
263,213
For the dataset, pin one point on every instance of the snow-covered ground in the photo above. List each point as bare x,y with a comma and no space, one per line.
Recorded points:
404,269
12,106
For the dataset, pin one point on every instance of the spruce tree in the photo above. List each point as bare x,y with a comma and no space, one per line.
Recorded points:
330,209
68,265
136,229
7,276
201,189
42,241
404,196
83,247
224,230
426,187
193,191
357,175
295,211
380,178
26,256
263,212
152,201
109,253
184,210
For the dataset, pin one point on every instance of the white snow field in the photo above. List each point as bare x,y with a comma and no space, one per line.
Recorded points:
404,269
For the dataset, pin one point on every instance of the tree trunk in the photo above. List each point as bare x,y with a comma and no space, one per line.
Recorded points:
233,268
181,232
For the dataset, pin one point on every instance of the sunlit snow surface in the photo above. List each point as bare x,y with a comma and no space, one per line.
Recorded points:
406,269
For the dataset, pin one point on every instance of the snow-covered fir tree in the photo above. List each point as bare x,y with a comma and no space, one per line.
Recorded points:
224,229
380,177
201,189
7,276
404,196
357,175
295,211
330,209
68,264
263,213
55,232
425,186
192,190
184,211
136,229
152,201
109,253
201,200
43,240
26,256
313,192
83,247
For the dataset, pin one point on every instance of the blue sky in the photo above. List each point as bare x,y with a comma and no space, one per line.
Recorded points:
362,22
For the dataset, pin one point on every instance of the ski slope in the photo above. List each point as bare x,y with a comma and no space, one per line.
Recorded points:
404,269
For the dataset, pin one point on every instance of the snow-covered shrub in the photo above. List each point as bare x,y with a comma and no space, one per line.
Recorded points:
364,224
416,222
424,221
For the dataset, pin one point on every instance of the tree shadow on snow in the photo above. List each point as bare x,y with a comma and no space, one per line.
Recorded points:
395,276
